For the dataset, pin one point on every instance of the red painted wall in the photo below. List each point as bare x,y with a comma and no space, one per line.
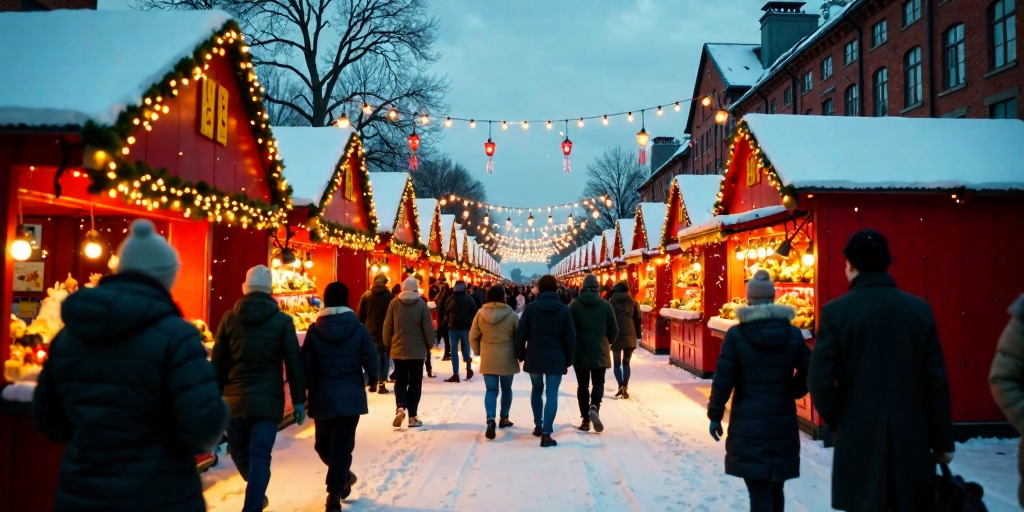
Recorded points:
235,251
404,231
738,196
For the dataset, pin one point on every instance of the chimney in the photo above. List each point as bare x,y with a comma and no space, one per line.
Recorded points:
782,26
663,149
831,8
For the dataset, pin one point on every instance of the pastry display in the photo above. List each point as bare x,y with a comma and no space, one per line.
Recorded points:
303,310
690,302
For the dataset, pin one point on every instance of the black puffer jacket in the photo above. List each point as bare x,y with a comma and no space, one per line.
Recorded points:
127,386
627,314
460,311
335,354
764,360
253,340
373,307
546,337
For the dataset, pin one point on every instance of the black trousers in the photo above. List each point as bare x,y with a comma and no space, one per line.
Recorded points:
765,496
586,397
408,384
335,440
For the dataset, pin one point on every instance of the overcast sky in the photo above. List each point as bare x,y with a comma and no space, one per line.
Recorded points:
556,59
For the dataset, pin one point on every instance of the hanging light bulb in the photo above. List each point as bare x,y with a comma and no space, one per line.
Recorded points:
309,261
425,120
551,220
276,262
21,248
808,257
678,107
580,123
93,247
596,214
751,253
762,252
608,202
569,221
740,253
393,114
374,269
504,125
487,218
630,117
342,121
721,116
706,101
660,112
529,220
465,214
696,266
605,120
447,122
526,125
549,125
472,123
385,268
367,109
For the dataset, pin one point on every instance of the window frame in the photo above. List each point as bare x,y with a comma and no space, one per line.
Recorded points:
787,97
808,82
1005,104
879,37
851,103
809,112
850,53
829,62
880,109
828,107
913,78
959,47
915,12
773,107
1006,20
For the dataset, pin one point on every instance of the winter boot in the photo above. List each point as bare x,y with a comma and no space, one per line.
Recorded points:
625,393
333,502
399,418
381,389
430,373
619,392
469,372
490,429
546,441
371,387
585,426
453,378
415,422
595,419
537,432
447,357
504,423
347,490
392,377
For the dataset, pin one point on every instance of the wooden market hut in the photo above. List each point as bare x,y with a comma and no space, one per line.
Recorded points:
398,231
654,287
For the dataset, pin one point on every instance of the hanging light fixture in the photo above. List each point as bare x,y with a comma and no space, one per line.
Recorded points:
489,148
93,248
566,150
367,109
596,214
393,114
630,117
508,223
414,145
23,245
309,261
642,137
721,116
425,119
288,257
660,111
551,220
678,107
465,214
706,101
762,252
487,218
342,121
472,123
570,221
529,220
808,257
740,253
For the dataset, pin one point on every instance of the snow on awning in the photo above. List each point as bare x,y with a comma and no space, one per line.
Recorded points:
66,67
425,208
891,153
724,221
388,191
698,194
312,156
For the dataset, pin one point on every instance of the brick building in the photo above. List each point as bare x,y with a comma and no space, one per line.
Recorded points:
45,5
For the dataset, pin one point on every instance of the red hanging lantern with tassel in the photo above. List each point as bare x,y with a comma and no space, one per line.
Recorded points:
414,145
489,148
566,150
642,137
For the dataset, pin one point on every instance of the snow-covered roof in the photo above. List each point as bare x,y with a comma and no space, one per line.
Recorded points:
447,220
654,221
311,157
388,189
425,210
738,64
609,245
698,194
858,153
724,221
460,242
66,67
625,227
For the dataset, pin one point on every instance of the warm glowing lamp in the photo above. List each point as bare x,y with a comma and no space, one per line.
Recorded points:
93,248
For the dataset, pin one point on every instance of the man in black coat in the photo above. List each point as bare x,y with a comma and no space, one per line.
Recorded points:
546,341
878,379
373,307
460,310
442,320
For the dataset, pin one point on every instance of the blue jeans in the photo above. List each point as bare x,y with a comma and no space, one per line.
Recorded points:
491,397
544,413
460,338
250,441
620,365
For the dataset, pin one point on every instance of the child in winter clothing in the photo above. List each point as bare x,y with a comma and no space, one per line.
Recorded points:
493,337
1007,377
408,336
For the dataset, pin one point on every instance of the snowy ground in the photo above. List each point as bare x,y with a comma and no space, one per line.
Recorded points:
655,454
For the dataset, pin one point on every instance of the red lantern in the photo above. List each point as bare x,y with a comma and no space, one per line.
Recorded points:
566,151
489,148
414,145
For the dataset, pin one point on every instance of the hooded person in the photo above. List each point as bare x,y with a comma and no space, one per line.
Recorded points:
408,336
629,319
336,352
442,319
594,321
1007,377
127,387
253,341
373,307
763,365
460,310
493,338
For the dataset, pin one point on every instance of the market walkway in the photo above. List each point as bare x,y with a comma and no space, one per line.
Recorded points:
655,454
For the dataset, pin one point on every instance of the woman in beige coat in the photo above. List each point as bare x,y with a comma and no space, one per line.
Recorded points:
492,337
1007,377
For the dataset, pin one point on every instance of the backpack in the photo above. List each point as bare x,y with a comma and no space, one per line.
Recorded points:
953,494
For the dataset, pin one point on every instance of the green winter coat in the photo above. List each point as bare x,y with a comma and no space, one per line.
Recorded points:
1007,377
493,338
253,340
408,331
595,325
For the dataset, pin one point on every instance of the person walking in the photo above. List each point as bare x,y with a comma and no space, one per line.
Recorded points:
253,341
442,319
1007,378
493,338
546,343
595,324
373,307
629,319
127,387
891,421
408,335
337,350
763,365
461,309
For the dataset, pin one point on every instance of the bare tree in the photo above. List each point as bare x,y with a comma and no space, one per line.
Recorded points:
617,174
324,58
439,177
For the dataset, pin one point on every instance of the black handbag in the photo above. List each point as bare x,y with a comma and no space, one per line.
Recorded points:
953,494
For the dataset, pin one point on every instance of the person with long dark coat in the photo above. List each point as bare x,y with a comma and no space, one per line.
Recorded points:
337,350
442,319
878,380
595,325
763,365
373,307
627,314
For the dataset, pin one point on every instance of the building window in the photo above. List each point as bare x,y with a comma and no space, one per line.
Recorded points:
787,97
879,33
827,108
911,11
772,108
880,84
1004,109
1004,33
913,87
850,98
809,112
850,52
954,55
826,68
808,81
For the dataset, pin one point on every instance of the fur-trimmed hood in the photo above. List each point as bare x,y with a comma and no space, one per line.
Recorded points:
747,314
767,326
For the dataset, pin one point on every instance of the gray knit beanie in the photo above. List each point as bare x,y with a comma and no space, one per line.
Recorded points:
146,252
760,289
590,281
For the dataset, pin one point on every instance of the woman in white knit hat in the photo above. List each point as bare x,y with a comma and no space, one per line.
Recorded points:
408,336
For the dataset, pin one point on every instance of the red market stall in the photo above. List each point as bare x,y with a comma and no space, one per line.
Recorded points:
793,194
430,262
163,120
448,258
398,240
622,245
653,275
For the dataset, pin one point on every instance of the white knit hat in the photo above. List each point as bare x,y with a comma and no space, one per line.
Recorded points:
411,285
257,279
146,252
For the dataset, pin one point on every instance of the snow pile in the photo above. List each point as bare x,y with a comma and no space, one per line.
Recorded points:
67,67
388,191
311,157
738,64
723,221
698,194
654,216
864,153
425,209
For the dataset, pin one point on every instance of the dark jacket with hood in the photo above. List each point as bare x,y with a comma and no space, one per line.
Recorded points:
127,386
408,331
595,326
628,317
441,303
546,337
336,352
252,341
373,307
460,311
763,364
898,411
